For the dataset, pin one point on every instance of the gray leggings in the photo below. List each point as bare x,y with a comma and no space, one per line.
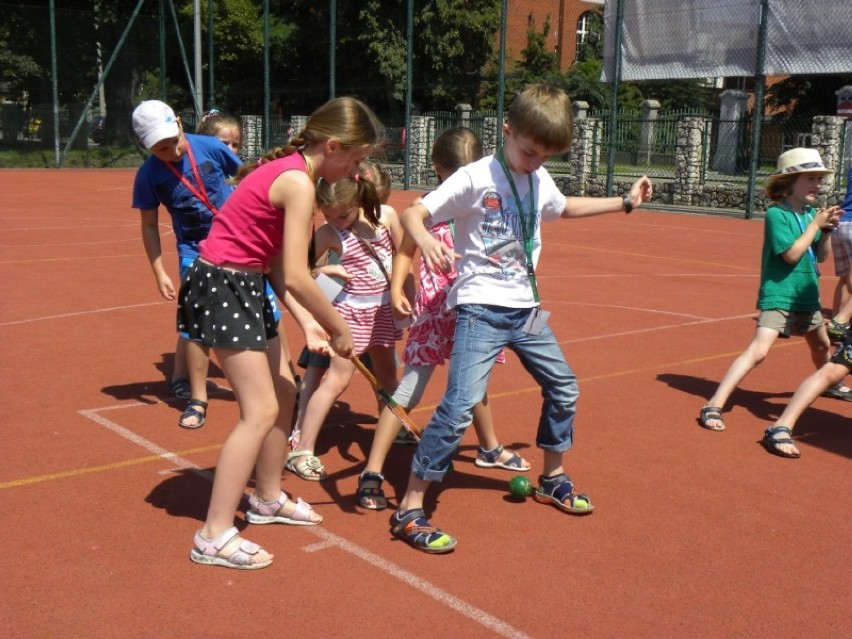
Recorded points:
410,390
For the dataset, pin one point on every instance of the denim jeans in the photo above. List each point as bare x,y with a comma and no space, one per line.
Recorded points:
481,333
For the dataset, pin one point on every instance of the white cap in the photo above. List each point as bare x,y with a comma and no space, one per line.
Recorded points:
154,121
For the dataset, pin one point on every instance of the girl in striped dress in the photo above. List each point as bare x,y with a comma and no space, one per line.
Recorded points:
363,234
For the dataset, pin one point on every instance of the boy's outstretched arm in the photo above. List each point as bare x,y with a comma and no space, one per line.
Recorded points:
641,191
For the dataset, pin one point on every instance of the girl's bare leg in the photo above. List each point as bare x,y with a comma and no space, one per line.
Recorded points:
754,354
247,372
335,382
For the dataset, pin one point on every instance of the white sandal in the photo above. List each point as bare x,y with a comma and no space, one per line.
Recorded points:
271,512
208,551
306,465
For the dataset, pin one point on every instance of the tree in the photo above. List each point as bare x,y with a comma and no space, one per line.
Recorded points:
806,96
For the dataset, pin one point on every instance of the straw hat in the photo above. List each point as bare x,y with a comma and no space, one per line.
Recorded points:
801,160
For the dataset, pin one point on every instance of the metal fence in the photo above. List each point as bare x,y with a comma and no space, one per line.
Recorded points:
68,99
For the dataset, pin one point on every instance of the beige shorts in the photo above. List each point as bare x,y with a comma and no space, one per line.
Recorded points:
789,323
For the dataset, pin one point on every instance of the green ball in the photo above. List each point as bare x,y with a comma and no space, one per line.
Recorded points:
520,486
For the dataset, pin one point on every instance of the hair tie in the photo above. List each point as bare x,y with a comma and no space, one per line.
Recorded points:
357,177
261,161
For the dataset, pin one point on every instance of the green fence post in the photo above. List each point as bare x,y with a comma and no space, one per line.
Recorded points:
759,84
613,102
409,57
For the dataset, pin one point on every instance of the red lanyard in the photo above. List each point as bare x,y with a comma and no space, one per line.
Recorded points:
200,192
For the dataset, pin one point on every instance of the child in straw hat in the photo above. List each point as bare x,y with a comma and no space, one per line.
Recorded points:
795,239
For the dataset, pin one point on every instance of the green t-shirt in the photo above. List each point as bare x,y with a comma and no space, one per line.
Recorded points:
789,287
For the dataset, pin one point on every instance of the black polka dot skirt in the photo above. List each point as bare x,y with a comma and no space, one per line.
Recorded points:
225,309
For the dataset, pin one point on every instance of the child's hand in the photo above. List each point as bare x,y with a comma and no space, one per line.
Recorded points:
316,339
828,218
167,289
641,191
334,270
400,306
342,344
437,255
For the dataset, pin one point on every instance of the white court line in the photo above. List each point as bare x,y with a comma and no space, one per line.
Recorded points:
639,331
327,539
52,227
133,239
77,313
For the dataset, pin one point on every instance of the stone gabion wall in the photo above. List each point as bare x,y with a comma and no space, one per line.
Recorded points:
581,179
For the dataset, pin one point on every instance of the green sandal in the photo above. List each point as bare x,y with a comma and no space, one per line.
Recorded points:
414,529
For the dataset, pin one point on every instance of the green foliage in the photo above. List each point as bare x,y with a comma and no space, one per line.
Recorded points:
677,94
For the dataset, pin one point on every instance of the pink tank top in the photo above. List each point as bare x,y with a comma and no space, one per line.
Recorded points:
248,230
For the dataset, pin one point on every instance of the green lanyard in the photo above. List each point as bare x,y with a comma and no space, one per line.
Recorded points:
527,225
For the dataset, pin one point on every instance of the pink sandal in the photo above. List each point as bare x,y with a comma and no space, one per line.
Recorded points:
208,552
271,512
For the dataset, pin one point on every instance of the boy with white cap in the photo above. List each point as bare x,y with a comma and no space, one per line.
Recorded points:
795,239
187,174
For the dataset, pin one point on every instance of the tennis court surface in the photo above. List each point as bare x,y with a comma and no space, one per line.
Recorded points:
695,533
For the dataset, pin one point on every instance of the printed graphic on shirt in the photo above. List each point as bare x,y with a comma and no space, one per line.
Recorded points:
500,230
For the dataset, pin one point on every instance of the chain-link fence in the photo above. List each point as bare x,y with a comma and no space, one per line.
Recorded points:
72,70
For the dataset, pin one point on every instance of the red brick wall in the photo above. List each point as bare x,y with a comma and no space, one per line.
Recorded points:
570,11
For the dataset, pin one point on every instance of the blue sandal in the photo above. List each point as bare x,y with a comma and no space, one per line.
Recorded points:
371,497
180,388
771,442
414,529
191,412
491,459
559,491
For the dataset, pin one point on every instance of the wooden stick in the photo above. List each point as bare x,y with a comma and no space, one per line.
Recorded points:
388,399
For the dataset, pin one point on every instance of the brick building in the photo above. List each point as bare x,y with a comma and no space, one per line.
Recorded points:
568,25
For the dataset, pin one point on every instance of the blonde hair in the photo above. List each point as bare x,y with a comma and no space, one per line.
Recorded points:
379,176
543,113
347,120
455,148
353,191
214,120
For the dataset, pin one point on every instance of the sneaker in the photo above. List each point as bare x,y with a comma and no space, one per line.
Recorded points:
836,330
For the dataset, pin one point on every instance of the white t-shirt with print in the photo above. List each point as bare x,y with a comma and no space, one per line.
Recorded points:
479,199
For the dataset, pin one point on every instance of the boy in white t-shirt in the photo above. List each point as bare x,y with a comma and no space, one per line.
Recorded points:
497,205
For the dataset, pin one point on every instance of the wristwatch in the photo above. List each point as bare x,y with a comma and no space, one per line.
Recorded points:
628,205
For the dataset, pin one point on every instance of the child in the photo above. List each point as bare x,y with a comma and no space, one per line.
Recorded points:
496,205
794,241
187,174
315,365
265,229
777,439
364,236
430,337
229,130
841,246
224,127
